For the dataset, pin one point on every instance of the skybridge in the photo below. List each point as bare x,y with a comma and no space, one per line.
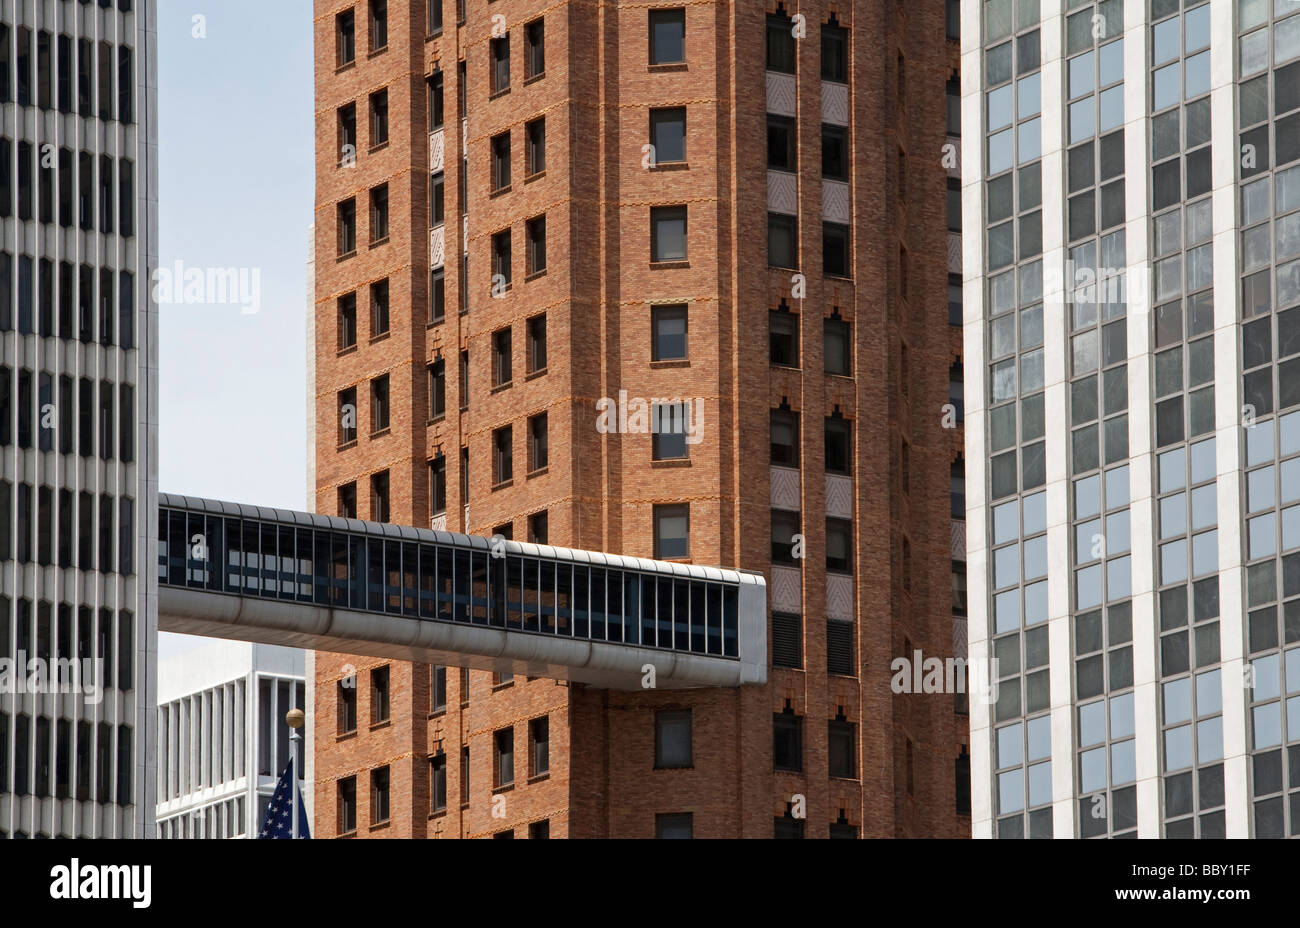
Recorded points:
227,570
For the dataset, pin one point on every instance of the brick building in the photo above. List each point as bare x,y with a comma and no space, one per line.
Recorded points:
527,208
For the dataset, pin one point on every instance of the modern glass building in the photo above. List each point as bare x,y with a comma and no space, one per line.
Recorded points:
78,381
1133,171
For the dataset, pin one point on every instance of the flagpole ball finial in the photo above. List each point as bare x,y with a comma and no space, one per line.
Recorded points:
295,718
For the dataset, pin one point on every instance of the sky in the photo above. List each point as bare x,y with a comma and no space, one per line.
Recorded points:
236,178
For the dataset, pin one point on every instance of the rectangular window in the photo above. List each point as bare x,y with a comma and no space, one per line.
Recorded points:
437,688
463,381
378,308
785,438
105,69
65,66
838,347
379,680
782,240
835,249
378,30
347,502
839,455
673,748
85,81
438,485
347,321
379,407
535,147
347,700
539,746
437,200
500,161
347,800
347,416
434,24
538,453
537,344
669,325
126,197
464,774
539,830
780,44
538,528
379,497
125,85
437,390
44,69
438,771
668,423
378,119
667,233
667,36
347,226
379,796
501,357
842,749
499,54
535,231
785,526
668,134
503,745
437,296
436,113
787,741
534,49
672,532
839,546
347,134
503,460
783,339
379,214
501,262
345,39
835,54
835,152
782,144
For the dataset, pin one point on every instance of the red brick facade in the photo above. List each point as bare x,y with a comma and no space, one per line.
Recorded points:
599,490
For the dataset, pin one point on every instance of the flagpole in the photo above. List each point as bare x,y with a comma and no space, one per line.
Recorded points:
294,718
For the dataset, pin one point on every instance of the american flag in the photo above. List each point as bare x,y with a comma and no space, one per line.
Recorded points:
278,824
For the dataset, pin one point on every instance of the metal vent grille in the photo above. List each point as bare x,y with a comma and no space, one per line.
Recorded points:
787,640
839,647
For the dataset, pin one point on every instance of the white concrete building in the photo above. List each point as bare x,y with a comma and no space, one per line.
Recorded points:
222,739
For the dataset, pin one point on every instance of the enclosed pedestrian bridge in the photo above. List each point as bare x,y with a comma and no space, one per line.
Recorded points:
227,570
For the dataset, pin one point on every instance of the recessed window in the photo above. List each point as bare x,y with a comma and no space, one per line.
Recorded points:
539,528
379,796
839,546
669,335
347,703
347,226
438,782
667,36
345,38
379,308
673,739
784,440
347,137
379,497
347,416
434,93
500,161
378,25
378,118
437,296
539,746
464,774
672,532
463,381
668,233
534,49
501,260
501,357
835,249
438,485
783,338
347,501
538,452
535,232
674,825
785,526
838,446
842,749
378,214
782,240
347,805
433,26
669,431
437,688
503,458
499,53
537,344
379,407
668,134
379,709
835,54
437,200
838,347
347,321
782,144
780,44
437,389
535,146
503,745
835,152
